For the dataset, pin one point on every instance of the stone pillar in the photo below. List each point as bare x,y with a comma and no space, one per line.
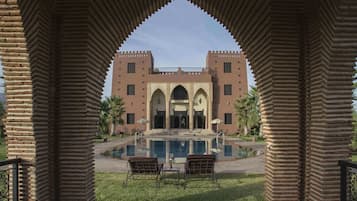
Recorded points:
28,124
190,112
190,148
210,109
76,102
167,107
209,146
167,149
327,101
209,115
148,109
190,105
147,147
167,112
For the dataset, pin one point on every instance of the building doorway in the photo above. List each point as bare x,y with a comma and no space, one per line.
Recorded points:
159,119
180,120
199,120
158,106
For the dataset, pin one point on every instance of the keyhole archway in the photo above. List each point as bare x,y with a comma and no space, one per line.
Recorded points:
56,54
158,110
200,109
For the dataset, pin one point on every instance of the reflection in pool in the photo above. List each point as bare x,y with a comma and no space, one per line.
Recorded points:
179,149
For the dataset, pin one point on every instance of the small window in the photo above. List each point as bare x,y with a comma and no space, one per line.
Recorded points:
130,89
130,150
227,118
130,118
227,67
228,150
131,67
227,89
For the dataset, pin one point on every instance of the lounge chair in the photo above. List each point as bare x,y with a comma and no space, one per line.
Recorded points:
201,166
144,166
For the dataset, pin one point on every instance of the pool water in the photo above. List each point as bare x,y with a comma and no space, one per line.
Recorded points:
180,149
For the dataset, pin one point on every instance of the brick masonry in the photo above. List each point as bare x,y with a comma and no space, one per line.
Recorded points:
212,73
56,53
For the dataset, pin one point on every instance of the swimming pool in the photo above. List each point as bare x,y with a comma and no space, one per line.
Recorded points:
178,148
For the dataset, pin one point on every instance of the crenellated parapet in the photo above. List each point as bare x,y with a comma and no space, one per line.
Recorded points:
144,53
226,53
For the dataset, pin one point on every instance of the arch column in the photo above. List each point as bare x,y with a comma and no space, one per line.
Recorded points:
190,106
190,113
168,103
328,76
78,97
149,125
210,109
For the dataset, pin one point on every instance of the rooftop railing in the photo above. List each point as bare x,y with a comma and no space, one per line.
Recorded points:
9,179
348,184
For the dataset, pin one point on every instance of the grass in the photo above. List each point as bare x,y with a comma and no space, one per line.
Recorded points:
3,154
233,187
354,157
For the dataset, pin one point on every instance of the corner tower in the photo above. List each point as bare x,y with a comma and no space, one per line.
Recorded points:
229,77
130,76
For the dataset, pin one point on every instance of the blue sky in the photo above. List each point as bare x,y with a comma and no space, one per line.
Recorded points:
179,35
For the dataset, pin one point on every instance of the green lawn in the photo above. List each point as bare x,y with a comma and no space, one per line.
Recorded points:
233,187
354,157
2,149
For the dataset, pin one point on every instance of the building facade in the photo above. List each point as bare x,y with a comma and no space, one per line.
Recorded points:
156,101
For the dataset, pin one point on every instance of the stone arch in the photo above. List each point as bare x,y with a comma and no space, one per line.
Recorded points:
261,37
158,110
179,107
59,58
160,88
179,93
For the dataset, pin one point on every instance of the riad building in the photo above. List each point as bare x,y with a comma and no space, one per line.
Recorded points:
180,99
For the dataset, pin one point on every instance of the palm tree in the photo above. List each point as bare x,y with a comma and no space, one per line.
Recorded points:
247,111
115,111
103,117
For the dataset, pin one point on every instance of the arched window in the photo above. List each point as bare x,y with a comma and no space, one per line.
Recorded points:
180,93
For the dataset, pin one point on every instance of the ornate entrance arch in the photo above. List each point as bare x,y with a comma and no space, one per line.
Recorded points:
200,109
56,54
158,110
179,108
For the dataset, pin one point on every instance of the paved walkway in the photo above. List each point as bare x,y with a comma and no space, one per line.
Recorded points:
107,164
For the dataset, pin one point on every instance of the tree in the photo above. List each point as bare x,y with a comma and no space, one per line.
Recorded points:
115,111
354,123
247,111
103,117
2,114
354,86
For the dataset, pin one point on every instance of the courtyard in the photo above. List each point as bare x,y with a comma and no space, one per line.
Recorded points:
239,180
56,55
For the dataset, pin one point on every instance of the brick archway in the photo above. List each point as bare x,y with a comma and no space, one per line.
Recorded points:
301,52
